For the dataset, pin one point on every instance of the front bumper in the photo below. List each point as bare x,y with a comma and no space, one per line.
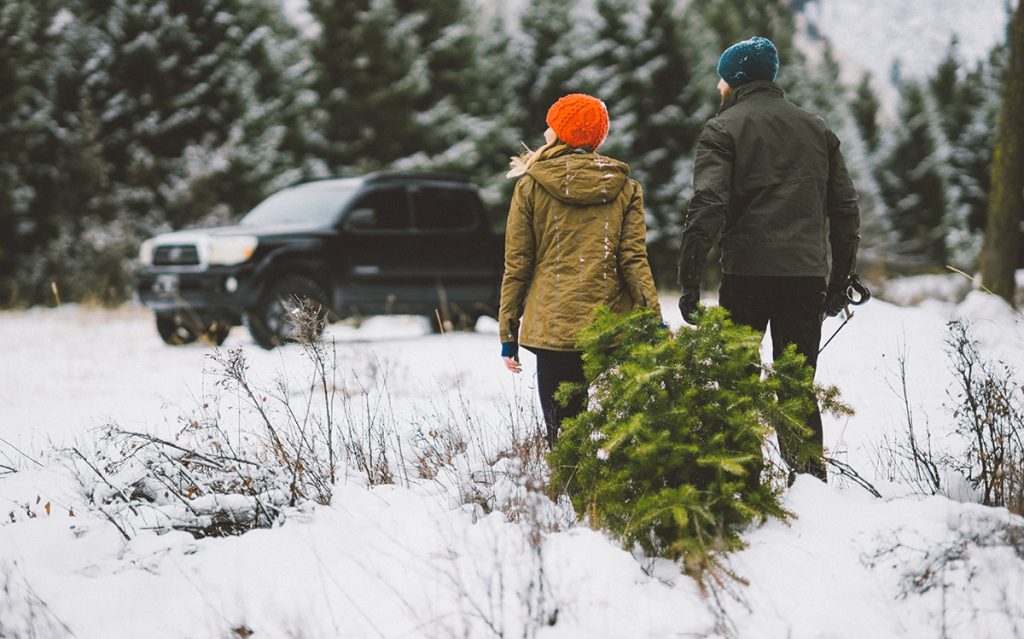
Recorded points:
217,290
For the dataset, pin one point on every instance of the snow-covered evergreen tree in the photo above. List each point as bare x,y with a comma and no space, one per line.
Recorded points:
913,177
548,52
865,108
968,108
947,89
369,77
973,153
450,45
162,114
735,20
26,52
617,28
166,80
671,95
493,127
457,119
817,87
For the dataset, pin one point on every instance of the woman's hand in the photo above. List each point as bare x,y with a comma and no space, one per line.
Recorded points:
510,354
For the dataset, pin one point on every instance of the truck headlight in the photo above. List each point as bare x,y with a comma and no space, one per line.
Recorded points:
146,253
232,250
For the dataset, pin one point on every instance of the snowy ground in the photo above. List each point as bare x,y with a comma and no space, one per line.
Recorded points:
410,560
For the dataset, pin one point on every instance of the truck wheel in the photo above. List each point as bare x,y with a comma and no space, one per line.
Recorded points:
216,333
272,321
173,332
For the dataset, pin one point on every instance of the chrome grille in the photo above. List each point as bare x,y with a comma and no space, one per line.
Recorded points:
176,255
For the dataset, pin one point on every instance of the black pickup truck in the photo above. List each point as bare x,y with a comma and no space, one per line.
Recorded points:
403,243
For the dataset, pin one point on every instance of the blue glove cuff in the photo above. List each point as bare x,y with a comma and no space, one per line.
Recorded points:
510,349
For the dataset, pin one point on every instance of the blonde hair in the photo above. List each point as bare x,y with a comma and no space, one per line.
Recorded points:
520,164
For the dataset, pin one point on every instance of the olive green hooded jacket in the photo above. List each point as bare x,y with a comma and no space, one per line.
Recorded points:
575,241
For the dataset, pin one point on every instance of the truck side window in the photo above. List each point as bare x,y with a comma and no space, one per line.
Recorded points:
390,211
444,209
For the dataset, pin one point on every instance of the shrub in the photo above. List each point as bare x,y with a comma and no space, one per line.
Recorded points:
983,458
989,414
286,451
668,455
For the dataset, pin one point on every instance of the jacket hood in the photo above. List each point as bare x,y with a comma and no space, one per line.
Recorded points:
581,179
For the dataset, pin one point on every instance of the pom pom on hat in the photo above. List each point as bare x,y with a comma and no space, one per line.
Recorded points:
579,120
750,60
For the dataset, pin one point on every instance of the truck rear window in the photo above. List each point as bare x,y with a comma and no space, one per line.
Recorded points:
444,209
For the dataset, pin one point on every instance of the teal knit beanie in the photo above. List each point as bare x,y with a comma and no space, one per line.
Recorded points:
750,60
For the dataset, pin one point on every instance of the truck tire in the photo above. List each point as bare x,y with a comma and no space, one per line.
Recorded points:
176,332
173,332
271,320
216,334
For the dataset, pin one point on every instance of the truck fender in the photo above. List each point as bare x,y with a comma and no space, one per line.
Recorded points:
298,257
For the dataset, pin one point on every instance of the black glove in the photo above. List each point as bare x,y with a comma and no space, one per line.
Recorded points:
835,301
689,305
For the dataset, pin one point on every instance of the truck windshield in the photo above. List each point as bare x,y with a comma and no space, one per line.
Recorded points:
315,203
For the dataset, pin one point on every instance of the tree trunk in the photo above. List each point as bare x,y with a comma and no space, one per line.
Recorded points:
1006,198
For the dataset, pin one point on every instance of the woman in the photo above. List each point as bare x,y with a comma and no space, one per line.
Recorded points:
575,241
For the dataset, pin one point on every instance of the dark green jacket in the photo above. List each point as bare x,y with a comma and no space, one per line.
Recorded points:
773,175
576,240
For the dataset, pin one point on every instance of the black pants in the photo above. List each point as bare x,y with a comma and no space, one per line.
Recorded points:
553,368
792,307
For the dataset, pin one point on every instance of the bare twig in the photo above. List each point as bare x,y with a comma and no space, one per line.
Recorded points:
106,481
190,451
847,471
21,452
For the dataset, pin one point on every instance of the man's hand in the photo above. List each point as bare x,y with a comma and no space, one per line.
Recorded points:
835,301
689,305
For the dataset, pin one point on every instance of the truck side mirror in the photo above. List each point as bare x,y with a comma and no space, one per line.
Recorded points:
361,219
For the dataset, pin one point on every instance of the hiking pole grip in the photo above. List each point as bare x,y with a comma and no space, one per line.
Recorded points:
856,291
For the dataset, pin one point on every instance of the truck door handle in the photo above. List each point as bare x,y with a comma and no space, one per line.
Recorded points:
366,270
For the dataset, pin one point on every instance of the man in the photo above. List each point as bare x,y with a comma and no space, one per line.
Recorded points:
773,175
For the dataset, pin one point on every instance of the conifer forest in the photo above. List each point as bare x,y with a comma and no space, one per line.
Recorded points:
123,118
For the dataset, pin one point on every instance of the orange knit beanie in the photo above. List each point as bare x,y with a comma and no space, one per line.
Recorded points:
579,120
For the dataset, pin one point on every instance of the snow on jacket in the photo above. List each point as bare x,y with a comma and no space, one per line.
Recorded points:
575,241
774,176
